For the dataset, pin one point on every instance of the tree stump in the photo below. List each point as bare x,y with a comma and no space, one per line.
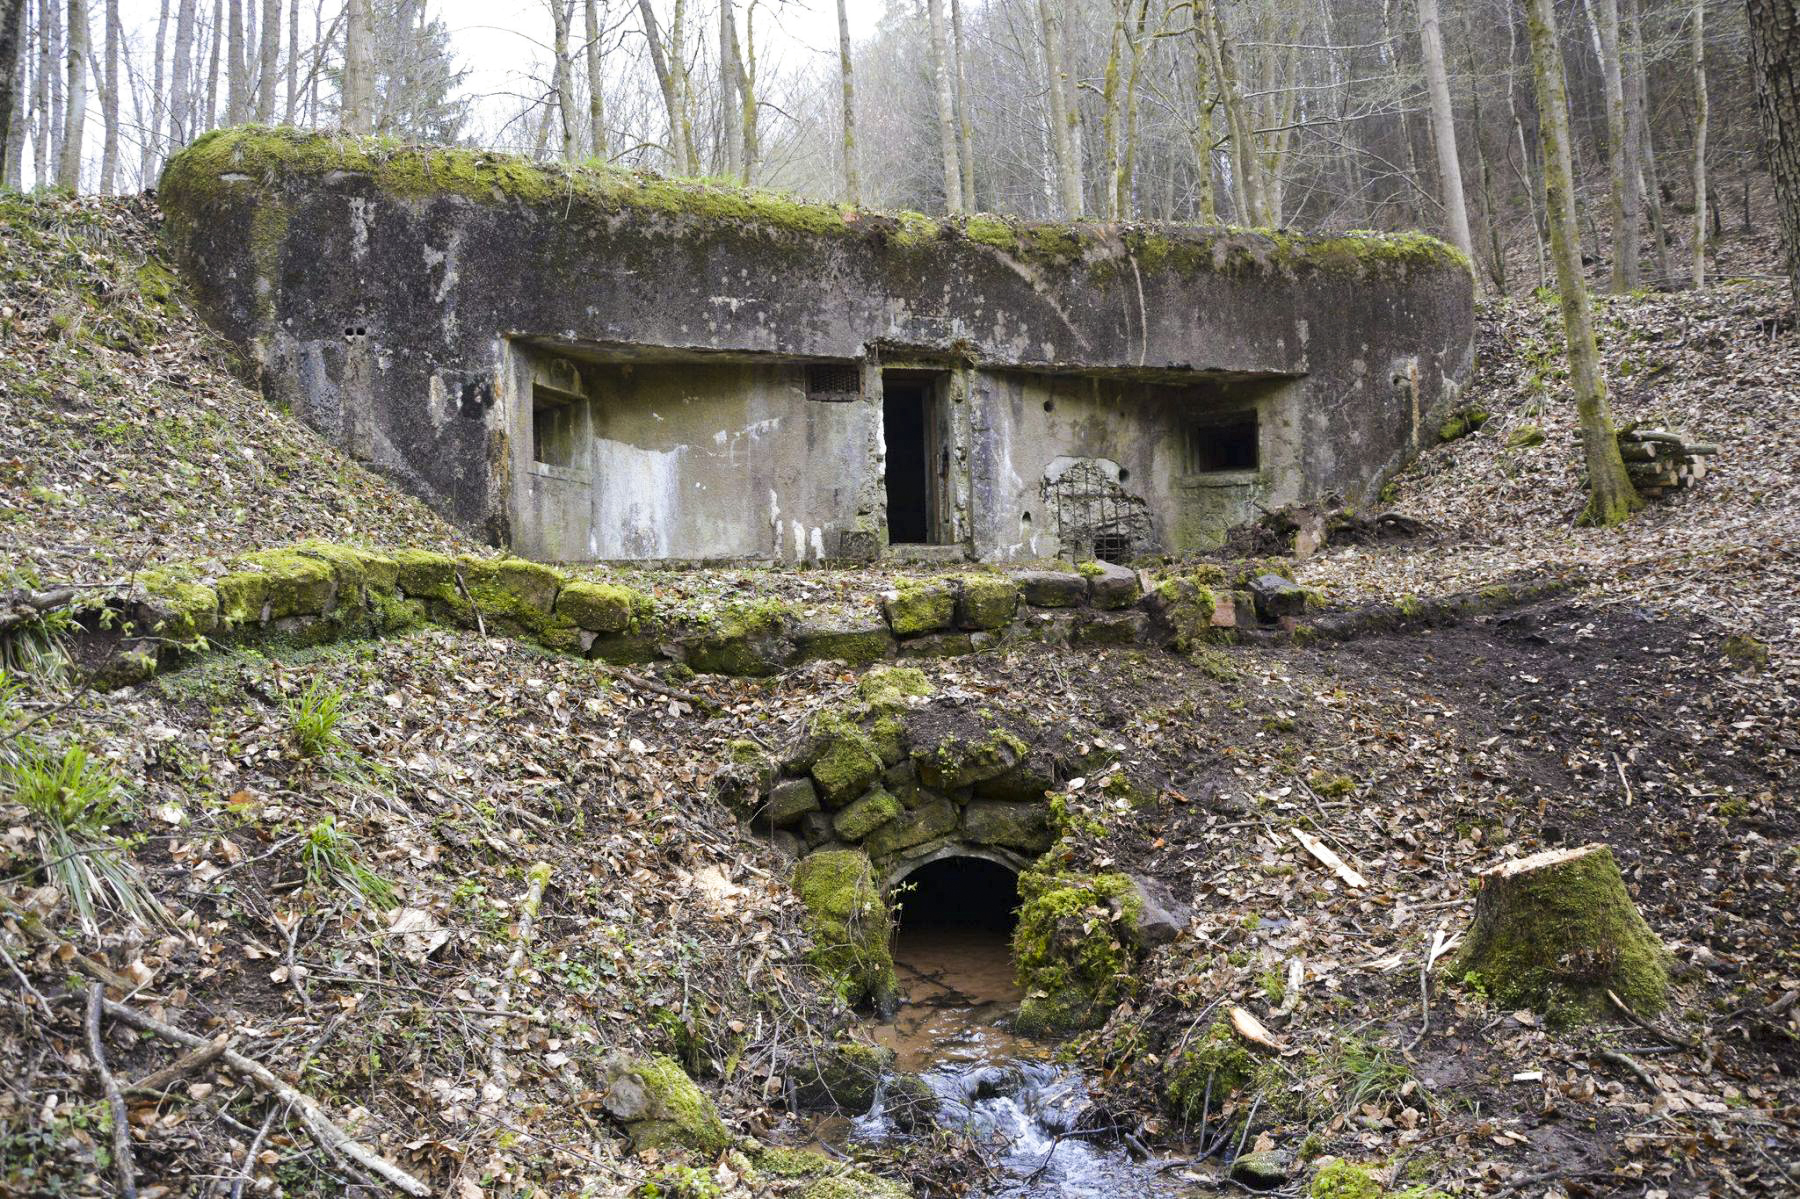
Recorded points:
1556,931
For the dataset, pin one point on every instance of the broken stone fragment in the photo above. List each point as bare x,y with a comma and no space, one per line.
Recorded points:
1159,917
939,645
791,799
863,816
915,608
1262,1171
660,1106
1021,826
597,607
954,764
1277,597
913,828
844,1077
1051,588
1110,628
1112,586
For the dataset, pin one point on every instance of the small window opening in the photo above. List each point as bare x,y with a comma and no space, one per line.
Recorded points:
1223,445
834,382
552,427
1113,547
908,409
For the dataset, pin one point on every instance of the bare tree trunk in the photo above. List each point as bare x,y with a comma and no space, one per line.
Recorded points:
181,86
109,100
12,32
679,163
41,172
683,85
237,74
730,148
1206,209
1062,120
269,60
150,123
596,79
1700,120
215,38
56,115
1611,497
563,76
946,107
1775,52
1620,151
68,167
852,176
1245,172
291,98
359,72
743,56
1491,218
1124,185
1649,187
1443,127
965,129
1112,103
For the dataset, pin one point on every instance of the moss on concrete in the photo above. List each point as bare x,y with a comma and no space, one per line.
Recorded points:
274,585
888,688
1072,949
176,606
915,607
960,763
600,607
849,760
988,601
849,924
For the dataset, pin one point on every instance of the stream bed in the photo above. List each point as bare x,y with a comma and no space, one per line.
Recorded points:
1004,1090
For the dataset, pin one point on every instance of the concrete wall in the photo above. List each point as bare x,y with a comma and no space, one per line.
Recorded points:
380,292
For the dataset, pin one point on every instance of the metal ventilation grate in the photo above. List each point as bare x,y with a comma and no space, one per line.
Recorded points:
834,382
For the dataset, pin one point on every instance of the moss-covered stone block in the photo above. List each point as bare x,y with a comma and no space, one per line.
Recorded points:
1208,1072
660,1106
1345,1180
842,1077
1052,588
1072,948
986,601
747,640
863,816
914,607
425,575
599,607
849,924
848,760
175,606
1186,609
789,800
855,643
275,585
1021,826
915,827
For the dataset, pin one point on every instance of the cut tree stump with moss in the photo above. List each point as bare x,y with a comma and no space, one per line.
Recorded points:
1556,931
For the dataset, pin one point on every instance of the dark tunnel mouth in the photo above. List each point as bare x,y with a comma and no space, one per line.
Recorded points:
960,892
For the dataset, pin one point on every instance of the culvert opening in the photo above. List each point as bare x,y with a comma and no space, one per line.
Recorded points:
953,950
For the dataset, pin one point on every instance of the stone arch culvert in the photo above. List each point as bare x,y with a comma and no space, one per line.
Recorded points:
882,787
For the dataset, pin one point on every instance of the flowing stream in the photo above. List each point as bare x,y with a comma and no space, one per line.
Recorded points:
1003,1089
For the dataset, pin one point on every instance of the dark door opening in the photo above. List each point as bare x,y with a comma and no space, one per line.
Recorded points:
954,951
906,416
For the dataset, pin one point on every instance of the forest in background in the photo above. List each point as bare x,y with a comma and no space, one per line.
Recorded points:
1329,114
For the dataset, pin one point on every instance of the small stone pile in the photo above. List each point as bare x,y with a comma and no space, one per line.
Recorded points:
1660,459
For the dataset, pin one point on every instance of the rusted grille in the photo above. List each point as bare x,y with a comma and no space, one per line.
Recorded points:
1095,516
833,382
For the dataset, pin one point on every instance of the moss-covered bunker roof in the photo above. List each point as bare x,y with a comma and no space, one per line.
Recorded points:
273,157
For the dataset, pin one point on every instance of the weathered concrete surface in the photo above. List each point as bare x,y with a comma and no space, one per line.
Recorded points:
390,296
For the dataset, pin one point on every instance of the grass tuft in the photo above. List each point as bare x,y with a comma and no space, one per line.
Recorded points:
329,856
315,715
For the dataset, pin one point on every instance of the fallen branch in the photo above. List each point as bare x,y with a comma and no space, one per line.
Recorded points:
121,1123
157,1081
1329,859
655,688
327,1133
1631,1067
34,927
480,624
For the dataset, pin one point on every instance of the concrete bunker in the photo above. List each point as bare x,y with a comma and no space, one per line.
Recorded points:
584,365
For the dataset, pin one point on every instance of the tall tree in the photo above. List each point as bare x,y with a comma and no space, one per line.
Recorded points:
946,107
12,32
359,69
291,98
268,68
563,82
1611,497
1775,53
852,177
1645,174
681,163
591,56
1443,127
1702,116
109,100
965,128
1621,150
68,166
237,73
181,98
1062,119
151,120
730,143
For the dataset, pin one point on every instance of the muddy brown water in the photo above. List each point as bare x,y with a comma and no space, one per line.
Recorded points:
1004,1090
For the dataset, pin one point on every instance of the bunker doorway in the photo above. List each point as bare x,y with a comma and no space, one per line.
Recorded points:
917,461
